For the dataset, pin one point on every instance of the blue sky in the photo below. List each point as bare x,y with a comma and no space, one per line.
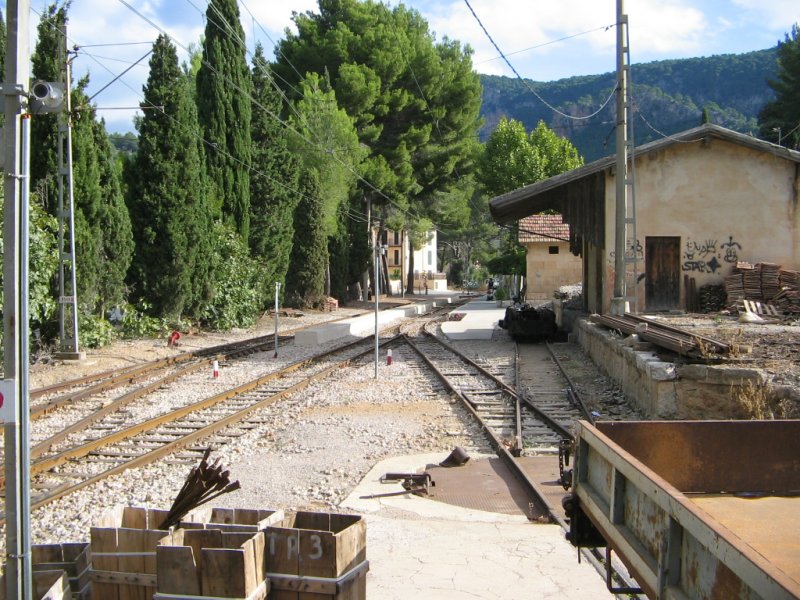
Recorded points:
527,31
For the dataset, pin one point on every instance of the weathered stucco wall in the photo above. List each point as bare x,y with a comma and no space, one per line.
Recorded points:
547,272
661,389
725,202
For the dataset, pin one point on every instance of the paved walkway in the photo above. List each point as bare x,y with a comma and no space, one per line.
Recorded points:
420,548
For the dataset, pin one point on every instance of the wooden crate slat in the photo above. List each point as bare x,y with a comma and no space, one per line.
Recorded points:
104,544
177,570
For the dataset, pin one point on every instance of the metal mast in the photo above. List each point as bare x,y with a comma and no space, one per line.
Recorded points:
14,388
67,288
625,214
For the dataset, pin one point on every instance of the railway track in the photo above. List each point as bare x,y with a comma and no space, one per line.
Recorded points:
113,437
108,449
538,422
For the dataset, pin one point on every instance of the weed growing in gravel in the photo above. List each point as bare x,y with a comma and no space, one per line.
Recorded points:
754,400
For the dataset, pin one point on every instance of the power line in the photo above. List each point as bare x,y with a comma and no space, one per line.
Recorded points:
525,83
197,136
542,45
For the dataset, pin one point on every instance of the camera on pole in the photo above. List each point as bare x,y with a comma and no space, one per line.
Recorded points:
46,97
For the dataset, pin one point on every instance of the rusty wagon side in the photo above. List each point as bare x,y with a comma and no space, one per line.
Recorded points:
695,509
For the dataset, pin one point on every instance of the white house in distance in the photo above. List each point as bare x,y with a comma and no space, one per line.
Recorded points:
425,262
549,263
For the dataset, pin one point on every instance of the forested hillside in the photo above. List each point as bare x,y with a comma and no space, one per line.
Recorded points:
668,96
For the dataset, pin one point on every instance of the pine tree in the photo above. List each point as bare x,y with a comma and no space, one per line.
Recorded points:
306,286
779,120
273,181
223,100
168,199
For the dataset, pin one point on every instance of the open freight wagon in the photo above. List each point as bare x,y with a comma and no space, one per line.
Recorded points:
695,509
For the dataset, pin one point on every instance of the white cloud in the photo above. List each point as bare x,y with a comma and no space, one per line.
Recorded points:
775,14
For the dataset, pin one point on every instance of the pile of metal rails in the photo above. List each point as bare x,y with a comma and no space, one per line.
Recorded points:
666,336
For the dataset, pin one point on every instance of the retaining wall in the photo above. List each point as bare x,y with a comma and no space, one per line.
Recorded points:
662,389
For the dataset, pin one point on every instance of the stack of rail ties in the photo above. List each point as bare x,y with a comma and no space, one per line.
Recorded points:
764,282
672,338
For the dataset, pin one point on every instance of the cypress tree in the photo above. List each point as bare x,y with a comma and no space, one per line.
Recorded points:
88,197
273,181
116,236
223,101
44,128
309,259
102,230
168,198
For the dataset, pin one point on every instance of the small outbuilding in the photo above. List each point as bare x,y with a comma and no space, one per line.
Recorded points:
705,199
549,263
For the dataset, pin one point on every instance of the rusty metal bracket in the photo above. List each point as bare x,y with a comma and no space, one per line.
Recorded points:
609,575
413,483
565,449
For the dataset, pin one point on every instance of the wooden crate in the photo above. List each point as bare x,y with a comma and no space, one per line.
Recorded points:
74,559
198,563
47,585
123,549
318,556
232,519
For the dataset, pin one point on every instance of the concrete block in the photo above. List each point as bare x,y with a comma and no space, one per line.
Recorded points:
320,335
661,371
734,376
697,372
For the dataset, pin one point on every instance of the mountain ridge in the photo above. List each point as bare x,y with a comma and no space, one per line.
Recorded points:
668,96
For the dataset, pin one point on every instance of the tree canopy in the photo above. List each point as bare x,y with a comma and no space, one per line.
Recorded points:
414,101
224,107
779,120
168,193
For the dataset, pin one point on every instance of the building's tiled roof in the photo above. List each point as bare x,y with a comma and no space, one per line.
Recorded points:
543,228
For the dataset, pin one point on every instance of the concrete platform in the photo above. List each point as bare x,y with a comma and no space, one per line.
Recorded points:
364,325
478,323
420,548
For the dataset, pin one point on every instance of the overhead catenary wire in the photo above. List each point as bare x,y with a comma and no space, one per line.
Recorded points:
261,106
525,83
255,102
197,136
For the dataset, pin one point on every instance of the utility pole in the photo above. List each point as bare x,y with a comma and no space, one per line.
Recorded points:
14,390
625,222
67,285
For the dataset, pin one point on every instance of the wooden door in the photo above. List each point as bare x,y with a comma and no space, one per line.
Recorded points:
663,273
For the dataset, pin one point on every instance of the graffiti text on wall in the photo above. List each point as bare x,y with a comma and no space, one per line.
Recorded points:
633,249
705,256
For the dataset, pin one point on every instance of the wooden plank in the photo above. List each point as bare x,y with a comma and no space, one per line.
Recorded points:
51,585
199,539
259,556
249,572
351,546
317,553
129,542
104,541
177,570
46,553
118,578
152,537
221,574
282,556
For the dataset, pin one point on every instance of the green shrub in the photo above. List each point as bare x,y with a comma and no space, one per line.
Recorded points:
137,324
238,289
94,331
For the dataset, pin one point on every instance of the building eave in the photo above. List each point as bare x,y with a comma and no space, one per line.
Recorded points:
546,194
